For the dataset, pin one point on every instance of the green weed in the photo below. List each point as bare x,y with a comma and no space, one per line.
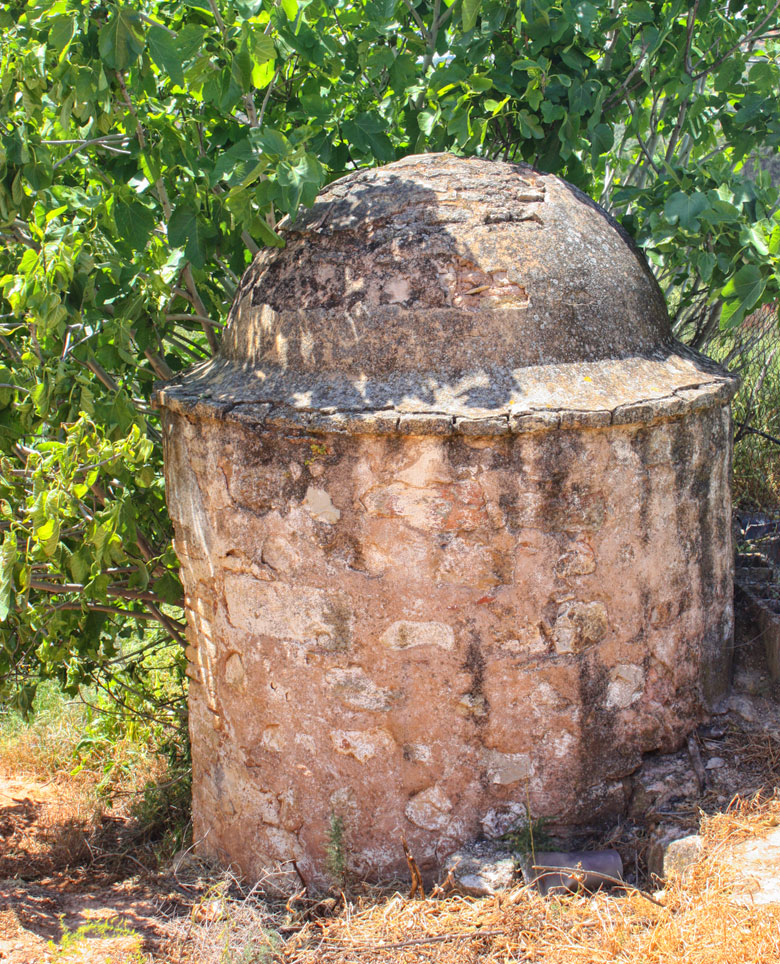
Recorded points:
336,852
73,942
528,836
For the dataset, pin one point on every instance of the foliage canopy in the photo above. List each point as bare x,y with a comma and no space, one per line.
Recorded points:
149,149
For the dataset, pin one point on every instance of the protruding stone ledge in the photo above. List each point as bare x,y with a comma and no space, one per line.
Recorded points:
391,422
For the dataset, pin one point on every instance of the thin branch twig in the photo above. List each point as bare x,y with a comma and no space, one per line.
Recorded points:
746,39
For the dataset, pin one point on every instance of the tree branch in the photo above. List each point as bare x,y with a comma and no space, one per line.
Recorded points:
757,431
117,592
264,104
197,302
155,23
172,626
642,144
418,21
107,140
616,94
102,375
159,366
183,316
745,40
100,608
431,35
162,194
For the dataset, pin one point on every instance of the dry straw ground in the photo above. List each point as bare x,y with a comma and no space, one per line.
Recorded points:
694,920
84,882
189,916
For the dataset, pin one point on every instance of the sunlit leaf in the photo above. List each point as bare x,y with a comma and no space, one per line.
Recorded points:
121,40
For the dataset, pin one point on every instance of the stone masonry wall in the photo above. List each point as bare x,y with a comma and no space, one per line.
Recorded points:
421,635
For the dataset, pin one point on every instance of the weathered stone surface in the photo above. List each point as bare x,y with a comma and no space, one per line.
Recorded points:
481,870
764,612
497,822
234,671
301,613
579,624
404,634
429,809
507,662
680,855
506,768
662,838
400,304
626,682
354,688
319,505
362,744
453,517
757,863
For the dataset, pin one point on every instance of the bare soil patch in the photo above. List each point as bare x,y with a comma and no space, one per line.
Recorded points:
59,877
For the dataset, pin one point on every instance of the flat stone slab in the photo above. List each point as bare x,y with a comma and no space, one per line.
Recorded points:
764,609
757,861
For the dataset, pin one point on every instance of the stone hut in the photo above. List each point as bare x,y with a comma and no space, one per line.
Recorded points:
453,514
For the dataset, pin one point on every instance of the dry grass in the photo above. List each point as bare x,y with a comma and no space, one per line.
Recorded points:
70,799
745,817
697,924
226,927
694,921
45,746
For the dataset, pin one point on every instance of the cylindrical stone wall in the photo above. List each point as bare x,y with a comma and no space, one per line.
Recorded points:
421,635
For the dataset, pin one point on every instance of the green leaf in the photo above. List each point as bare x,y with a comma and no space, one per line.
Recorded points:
80,565
368,133
60,35
186,229
468,15
705,262
261,47
745,288
270,142
8,555
235,164
601,140
300,180
290,8
168,588
267,235
190,40
685,209
241,69
134,223
380,12
586,15
121,40
751,235
263,74
145,477
774,241
6,394
166,53
427,119
641,12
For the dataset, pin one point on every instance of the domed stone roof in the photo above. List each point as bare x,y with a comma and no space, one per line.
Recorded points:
443,293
